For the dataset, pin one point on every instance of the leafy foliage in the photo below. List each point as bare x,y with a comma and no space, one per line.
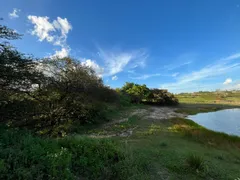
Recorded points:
66,94
161,97
141,93
73,94
7,33
17,72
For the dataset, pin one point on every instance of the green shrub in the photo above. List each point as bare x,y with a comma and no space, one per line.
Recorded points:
93,158
195,162
142,94
161,97
28,157
68,94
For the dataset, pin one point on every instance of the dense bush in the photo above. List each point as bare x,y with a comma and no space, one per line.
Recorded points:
161,97
68,93
142,94
72,95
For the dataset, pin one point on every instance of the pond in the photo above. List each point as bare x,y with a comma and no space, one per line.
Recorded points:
227,121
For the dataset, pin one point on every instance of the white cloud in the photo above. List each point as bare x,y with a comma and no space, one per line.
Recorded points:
117,61
62,53
63,25
114,78
14,14
227,81
222,66
42,28
145,76
231,86
53,32
92,64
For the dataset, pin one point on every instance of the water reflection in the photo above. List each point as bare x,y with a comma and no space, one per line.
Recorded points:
227,121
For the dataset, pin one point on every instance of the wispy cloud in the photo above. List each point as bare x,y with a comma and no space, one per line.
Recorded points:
145,76
176,66
222,66
54,32
192,87
14,14
175,74
184,59
115,61
131,71
114,78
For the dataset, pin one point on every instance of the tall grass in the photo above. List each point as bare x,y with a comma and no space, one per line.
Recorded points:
195,162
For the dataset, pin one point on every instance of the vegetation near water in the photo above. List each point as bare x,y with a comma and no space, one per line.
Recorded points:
59,121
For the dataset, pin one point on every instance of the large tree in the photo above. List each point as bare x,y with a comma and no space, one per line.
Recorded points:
17,71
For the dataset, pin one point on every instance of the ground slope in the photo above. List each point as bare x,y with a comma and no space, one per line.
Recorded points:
172,146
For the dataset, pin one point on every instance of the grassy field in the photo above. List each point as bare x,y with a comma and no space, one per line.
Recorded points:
180,149
217,97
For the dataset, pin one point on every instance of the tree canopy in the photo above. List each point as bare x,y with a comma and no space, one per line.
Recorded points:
142,94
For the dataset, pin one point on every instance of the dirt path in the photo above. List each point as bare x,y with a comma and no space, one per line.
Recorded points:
160,113
153,113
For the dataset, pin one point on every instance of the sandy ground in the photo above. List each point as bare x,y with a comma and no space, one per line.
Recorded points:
158,113
151,113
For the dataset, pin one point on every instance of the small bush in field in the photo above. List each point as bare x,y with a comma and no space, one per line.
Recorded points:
142,94
195,162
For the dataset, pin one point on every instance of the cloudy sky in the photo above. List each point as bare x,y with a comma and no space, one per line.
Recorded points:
183,46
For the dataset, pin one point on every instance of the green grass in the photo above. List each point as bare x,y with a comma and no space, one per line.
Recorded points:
181,149
195,108
24,156
195,162
112,114
193,111
171,158
193,131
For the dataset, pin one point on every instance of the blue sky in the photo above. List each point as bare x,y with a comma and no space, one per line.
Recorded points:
183,46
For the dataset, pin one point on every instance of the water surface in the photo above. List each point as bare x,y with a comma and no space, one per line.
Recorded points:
227,121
